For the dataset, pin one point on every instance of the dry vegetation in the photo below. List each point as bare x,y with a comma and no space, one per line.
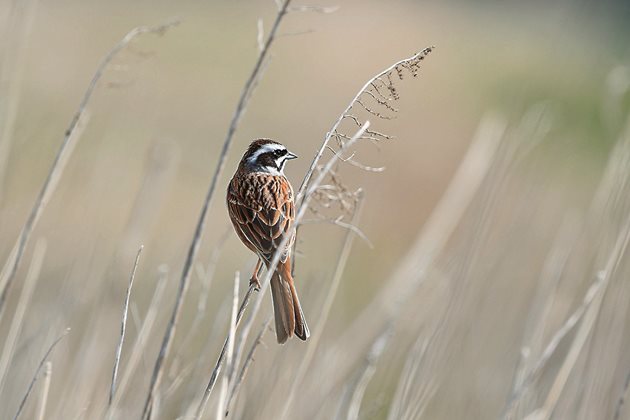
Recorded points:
510,302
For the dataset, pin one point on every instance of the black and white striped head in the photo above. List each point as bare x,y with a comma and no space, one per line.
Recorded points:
265,155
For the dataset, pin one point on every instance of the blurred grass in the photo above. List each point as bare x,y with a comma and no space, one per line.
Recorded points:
175,94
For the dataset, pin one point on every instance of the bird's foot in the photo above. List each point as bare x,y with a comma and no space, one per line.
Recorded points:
254,282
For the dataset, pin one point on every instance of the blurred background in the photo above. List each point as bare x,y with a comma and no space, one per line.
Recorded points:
495,285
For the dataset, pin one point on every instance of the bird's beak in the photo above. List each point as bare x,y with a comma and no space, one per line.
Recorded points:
290,156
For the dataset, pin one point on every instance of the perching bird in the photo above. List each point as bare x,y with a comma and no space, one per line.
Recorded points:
260,205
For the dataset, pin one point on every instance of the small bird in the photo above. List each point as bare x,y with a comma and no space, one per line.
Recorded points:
261,208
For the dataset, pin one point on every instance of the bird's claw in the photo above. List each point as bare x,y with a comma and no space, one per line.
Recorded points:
254,282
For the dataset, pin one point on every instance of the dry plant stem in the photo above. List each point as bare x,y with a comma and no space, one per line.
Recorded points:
219,320
123,326
546,293
540,314
141,342
194,246
217,367
583,333
41,408
554,343
63,153
41,364
326,307
230,366
18,316
308,195
227,377
344,114
242,339
248,361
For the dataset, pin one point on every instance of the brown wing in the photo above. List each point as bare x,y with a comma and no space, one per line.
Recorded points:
262,211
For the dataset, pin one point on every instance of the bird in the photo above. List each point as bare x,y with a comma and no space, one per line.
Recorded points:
262,210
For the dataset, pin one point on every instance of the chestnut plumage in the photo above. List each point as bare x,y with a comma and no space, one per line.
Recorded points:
261,208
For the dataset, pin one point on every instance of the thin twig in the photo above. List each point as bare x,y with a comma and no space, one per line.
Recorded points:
248,361
546,293
353,162
8,275
326,170
230,366
39,367
194,245
553,344
227,378
141,340
41,409
242,339
584,331
334,133
123,326
295,33
366,167
217,366
333,129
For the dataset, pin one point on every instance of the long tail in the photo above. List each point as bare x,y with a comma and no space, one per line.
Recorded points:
286,306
